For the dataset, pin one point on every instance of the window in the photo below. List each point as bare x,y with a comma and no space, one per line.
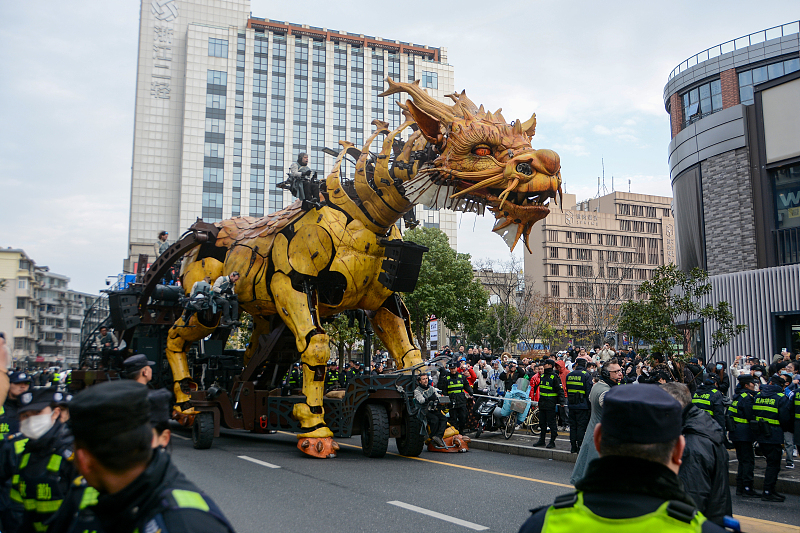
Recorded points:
702,101
21,303
430,80
554,270
650,212
215,125
217,47
583,254
22,284
554,291
611,240
571,291
568,235
20,324
613,272
584,271
217,77
749,78
214,150
625,225
552,235
584,290
553,253
583,238
215,101
666,213
570,270
569,253
627,242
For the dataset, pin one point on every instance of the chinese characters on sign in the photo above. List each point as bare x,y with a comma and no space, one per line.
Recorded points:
165,13
580,218
669,243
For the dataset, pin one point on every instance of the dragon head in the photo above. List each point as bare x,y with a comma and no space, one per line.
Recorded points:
482,162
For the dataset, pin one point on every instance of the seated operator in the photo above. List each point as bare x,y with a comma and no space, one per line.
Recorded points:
224,296
198,298
428,399
297,172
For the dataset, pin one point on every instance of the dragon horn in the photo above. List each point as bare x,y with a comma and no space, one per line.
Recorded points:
422,100
529,126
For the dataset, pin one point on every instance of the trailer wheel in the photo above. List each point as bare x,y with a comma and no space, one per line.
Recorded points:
375,431
203,431
411,442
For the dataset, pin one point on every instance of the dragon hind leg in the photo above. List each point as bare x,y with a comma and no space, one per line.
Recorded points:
181,336
313,345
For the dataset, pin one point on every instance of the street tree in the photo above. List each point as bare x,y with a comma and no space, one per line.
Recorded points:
445,289
343,336
671,312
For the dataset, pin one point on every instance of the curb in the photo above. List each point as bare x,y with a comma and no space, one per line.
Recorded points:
788,486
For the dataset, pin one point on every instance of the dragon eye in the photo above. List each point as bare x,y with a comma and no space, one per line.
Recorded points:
482,150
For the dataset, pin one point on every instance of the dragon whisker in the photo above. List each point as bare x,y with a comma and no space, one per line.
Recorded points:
480,185
505,193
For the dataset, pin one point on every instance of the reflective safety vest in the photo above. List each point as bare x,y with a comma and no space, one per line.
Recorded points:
568,514
331,377
797,407
39,492
704,403
733,410
546,388
455,384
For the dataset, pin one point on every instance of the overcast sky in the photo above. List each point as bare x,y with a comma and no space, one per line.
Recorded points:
593,72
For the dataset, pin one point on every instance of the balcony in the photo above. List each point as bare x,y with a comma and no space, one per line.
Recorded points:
787,245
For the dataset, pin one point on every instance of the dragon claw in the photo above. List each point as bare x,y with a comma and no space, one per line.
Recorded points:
321,448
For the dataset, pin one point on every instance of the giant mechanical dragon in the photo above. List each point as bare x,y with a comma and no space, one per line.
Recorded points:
314,260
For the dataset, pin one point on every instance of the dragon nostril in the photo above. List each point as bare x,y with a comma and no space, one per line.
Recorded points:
525,168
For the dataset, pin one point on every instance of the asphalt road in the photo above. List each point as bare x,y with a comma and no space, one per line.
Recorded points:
264,484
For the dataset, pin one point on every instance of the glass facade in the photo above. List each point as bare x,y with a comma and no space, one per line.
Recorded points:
786,181
258,127
340,94
238,127
748,78
702,101
217,47
377,102
300,99
214,149
430,80
316,157
278,122
357,96
393,71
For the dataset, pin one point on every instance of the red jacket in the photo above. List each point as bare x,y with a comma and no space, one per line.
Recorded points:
534,388
470,375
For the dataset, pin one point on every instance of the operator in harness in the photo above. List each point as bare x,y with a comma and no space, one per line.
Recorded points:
199,298
223,296
428,399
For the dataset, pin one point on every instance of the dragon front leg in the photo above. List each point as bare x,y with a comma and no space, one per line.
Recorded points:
392,326
181,336
298,311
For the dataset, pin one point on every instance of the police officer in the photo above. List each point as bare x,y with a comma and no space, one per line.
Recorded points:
551,394
771,410
579,385
332,376
128,485
428,400
709,399
45,467
138,368
739,415
19,383
454,385
294,379
634,484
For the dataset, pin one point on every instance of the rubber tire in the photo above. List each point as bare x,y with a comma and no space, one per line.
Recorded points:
509,426
203,431
479,430
534,428
375,431
412,443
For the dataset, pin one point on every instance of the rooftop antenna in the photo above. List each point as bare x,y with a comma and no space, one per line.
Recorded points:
605,190
629,185
612,182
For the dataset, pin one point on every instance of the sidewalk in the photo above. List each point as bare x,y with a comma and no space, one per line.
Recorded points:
521,443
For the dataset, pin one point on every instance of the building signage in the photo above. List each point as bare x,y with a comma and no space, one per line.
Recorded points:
165,13
434,331
586,219
669,243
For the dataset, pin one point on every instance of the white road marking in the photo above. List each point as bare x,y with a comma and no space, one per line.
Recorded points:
256,461
440,516
180,436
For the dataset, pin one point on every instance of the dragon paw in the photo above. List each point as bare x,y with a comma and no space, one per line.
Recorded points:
321,448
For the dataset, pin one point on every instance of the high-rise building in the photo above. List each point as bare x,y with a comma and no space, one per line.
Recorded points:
590,257
225,102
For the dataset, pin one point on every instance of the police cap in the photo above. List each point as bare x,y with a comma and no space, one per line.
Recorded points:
744,379
641,414
452,364
136,362
160,406
38,399
19,377
108,409
776,380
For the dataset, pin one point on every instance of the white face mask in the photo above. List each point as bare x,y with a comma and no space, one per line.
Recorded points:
757,374
36,426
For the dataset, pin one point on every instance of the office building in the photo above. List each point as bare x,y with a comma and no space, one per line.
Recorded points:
225,102
590,257
734,161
